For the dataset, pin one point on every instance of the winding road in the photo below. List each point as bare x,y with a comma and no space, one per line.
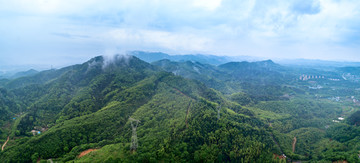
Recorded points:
294,144
5,143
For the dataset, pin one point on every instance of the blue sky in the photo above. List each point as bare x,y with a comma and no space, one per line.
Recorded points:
64,32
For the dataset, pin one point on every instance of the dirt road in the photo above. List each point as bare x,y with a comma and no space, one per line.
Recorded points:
293,145
3,147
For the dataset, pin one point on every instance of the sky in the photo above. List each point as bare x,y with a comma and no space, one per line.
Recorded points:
64,32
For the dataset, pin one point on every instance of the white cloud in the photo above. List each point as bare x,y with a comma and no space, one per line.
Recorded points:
175,42
247,27
207,4
331,25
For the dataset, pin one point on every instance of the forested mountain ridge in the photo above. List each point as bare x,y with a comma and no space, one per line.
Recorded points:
208,74
88,106
296,102
235,112
156,56
263,79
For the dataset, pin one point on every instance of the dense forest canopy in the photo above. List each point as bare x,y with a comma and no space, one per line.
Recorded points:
124,109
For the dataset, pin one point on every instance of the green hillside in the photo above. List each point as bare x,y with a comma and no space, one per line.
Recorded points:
306,109
89,105
182,111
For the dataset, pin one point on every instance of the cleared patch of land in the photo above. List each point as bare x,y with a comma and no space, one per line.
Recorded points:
86,152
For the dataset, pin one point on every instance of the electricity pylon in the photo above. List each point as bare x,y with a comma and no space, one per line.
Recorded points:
218,109
134,141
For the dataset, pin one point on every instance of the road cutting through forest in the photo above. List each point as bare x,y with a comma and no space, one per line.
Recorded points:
293,145
3,147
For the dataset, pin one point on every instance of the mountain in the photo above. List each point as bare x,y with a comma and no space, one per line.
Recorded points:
262,79
312,63
88,106
123,109
6,105
252,70
156,56
19,74
218,60
24,73
208,74
295,108
239,71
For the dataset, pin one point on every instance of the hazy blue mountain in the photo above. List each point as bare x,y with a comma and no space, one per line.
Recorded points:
156,56
18,74
316,63
24,73
217,60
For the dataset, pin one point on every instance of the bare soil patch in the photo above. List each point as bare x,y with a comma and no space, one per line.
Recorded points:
86,152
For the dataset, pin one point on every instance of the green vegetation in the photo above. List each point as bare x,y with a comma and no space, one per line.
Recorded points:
235,112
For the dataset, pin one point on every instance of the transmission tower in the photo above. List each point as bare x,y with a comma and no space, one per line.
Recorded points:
134,141
218,109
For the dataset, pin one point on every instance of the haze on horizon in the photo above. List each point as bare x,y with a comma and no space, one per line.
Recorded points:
64,32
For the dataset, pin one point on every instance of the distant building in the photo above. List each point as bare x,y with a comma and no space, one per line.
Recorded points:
304,77
35,132
317,87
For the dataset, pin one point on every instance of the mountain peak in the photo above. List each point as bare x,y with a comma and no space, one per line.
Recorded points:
253,65
110,61
269,61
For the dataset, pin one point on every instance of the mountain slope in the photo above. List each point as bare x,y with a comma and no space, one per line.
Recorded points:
263,80
208,74
88,106
256,71
93,107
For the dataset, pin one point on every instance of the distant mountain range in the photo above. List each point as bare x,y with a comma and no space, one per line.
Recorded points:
8,71
202,58
316,63
217,60
18,74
